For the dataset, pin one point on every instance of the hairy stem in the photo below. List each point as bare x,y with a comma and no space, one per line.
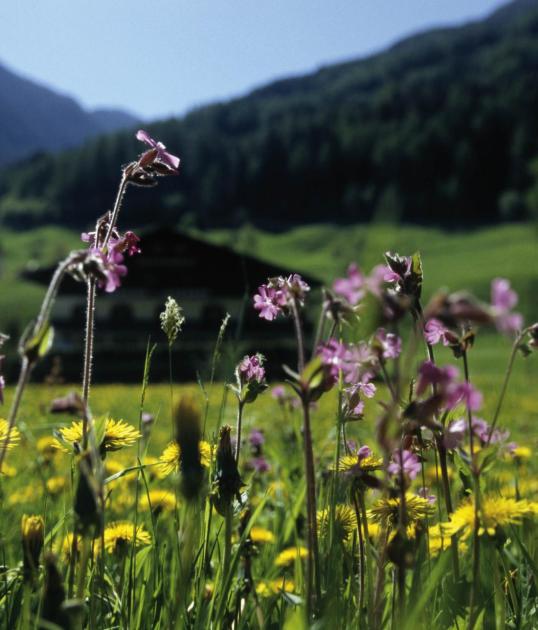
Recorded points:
240,406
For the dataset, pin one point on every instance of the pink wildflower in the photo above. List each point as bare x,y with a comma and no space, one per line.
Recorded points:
157,156
251,369
435,331
391,344
405,461
352,287
503,300
269,301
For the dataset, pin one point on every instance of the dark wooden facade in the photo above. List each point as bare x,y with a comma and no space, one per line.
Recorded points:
207,280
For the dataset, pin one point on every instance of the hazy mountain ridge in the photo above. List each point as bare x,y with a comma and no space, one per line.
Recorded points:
440,128
36,118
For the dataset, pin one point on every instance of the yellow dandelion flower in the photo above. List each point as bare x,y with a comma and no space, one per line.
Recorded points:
47,447
153,468
112,466
8,471
261,535
121,498
120,535
345,522
117,434
56,485
386,511
521,454
25,495
494,512
14,435
170,459
350,463
64,546
159,500
268,588
439,540
288,556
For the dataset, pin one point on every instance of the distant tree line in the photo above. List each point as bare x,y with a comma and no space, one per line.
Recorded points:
440,129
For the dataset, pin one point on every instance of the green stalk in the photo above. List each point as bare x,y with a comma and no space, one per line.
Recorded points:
83,567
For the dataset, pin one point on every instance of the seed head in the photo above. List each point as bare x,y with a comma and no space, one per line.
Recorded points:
172,320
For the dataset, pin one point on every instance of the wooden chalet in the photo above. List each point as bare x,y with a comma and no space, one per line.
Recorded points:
207,281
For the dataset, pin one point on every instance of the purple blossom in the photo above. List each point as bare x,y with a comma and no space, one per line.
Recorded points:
376,279
405,461
455,433
130,243
279,393
157,155
482,430
351,288
430,374
256,438
259,464
269,302
391,344
364,452
503,300
2,387
296,287
112,267
251,369
464,393
273,298
435,331
333,354
359,362
353,404
393,276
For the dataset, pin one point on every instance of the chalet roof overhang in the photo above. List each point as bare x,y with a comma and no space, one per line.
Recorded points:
174,260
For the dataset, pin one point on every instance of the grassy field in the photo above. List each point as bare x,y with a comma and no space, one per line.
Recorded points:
198,561
455,260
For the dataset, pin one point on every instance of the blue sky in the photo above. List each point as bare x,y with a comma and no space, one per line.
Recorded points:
164,57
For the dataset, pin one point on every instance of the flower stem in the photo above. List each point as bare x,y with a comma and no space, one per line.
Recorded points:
504,387
476,524
313,550
240,406
90,311
228,524
313,572
24,375
84,557
88,356
26,365
362,555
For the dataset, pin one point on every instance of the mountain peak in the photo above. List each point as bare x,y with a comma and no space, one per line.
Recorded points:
36,118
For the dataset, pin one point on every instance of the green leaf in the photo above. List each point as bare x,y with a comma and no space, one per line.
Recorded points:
313,373
487,457
35,345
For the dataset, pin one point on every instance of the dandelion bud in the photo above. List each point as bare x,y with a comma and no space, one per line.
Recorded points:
227,482
188,434
33,537
172,320
53,595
